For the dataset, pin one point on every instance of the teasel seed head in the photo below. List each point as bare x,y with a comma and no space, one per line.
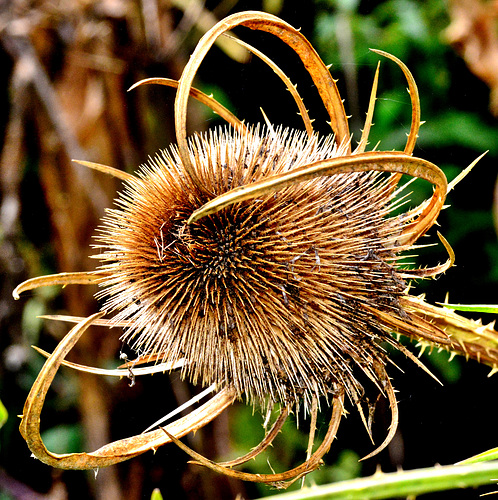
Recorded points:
266,264
265,296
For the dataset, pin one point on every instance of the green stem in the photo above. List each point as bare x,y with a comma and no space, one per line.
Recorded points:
399,484
484,308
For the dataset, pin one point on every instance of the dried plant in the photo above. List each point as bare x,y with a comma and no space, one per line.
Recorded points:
265,265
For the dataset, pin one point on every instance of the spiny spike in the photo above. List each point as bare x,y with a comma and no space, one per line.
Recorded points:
120,174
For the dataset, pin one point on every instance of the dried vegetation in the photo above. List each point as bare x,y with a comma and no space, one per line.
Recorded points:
264,264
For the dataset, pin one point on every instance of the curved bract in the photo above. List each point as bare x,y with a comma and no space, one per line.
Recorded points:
265,22
393,162
264,264
112,453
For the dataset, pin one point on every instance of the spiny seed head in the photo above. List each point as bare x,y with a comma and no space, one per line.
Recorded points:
266,296
266,264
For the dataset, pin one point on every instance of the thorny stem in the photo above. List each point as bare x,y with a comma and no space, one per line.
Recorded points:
401,484
467,337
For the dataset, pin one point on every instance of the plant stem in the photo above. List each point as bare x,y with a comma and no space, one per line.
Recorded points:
399,484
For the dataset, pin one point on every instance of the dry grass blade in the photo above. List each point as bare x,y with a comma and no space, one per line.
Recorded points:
279,480
290,86
218,108
118,372
109,323
464,172
441,268
370,112
414,97
394,416
266,441
119,174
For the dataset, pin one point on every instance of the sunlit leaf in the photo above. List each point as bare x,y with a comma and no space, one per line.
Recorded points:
482,457
472,307
4,414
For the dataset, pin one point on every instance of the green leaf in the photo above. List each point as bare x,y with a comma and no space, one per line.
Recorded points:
481,457
31,322
63,438
482,308
458,128
4,414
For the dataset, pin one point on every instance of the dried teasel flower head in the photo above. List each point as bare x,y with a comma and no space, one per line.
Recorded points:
265,296
264,263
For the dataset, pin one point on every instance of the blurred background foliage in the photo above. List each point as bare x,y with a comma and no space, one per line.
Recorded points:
66,67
